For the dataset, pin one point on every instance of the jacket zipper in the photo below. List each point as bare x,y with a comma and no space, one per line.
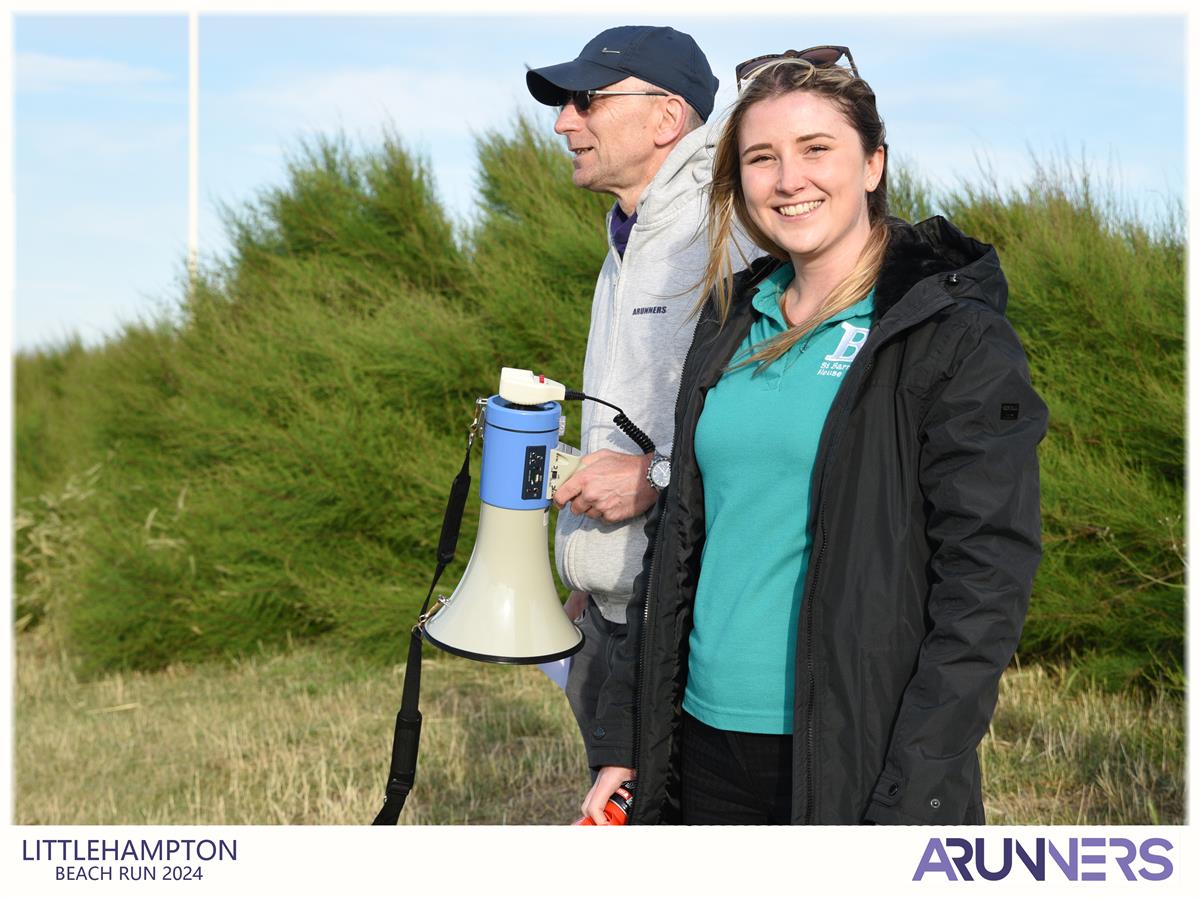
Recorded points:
810,712
810,736
810,730
650,582
641,663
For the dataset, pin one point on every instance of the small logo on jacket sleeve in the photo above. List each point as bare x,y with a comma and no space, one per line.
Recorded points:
1010,410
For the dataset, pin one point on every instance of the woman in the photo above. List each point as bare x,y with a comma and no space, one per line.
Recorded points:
841,564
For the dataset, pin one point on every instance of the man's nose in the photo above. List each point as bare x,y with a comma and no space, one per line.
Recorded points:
568,119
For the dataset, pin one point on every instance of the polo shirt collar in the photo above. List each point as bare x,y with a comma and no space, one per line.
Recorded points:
766,299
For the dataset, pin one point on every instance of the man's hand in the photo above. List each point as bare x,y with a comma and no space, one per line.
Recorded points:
607,782
575,605
609,486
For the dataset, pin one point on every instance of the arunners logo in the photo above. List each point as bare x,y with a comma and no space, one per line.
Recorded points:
1061,859
837,362
649,310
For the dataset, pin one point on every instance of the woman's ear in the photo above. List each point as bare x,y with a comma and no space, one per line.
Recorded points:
875,163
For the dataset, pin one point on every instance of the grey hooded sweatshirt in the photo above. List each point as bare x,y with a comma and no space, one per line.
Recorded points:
640,332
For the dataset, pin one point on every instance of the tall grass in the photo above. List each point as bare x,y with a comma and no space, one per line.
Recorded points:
273,461
1099,303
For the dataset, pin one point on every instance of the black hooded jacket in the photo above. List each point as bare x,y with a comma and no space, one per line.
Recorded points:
925,532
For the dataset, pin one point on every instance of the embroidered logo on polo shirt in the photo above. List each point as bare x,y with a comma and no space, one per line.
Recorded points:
837,362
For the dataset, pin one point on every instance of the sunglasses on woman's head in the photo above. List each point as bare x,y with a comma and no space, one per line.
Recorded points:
824,55
583,99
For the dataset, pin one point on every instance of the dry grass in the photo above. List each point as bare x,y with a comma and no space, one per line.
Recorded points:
1064,753
304,738
46,538
296,738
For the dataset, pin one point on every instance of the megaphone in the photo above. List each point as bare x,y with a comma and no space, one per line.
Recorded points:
506,608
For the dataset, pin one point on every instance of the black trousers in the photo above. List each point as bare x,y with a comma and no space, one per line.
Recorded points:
590,667
734,777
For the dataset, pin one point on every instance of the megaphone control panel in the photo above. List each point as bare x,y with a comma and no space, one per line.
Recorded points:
534,484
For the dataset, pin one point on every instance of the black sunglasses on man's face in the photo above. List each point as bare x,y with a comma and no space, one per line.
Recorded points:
823,55
583,99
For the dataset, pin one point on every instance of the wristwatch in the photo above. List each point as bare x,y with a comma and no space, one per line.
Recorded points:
659,472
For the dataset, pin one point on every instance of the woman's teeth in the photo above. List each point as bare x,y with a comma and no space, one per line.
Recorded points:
800,208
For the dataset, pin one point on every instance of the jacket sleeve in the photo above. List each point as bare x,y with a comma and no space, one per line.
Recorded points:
979,477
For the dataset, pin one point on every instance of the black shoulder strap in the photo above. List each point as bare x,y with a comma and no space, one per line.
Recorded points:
408,719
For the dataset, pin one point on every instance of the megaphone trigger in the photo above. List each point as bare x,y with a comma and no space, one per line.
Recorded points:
562,466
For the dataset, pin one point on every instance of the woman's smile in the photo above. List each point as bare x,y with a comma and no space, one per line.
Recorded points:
799,210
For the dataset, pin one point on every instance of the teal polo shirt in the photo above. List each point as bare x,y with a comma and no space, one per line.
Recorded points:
756,443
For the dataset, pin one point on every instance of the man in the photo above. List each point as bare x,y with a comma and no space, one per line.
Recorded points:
632,106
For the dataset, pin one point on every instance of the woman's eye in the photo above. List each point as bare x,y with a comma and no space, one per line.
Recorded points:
757,159
817,148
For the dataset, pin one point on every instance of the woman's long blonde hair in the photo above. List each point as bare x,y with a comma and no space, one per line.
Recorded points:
856,101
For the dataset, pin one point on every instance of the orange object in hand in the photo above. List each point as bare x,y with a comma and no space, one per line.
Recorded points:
616,810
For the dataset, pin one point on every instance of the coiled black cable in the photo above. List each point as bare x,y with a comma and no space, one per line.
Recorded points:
621,420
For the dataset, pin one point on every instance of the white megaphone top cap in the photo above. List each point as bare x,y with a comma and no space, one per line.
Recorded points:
521,386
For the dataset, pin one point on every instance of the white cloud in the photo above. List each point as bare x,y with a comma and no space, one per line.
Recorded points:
44,73
418,103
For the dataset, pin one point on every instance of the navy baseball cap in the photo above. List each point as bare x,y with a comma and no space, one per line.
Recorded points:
662,56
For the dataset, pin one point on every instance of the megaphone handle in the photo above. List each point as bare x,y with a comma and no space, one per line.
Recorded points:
562,467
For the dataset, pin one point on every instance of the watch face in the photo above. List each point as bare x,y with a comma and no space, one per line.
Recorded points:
660,473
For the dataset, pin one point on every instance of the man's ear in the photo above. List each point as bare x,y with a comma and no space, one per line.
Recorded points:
672,122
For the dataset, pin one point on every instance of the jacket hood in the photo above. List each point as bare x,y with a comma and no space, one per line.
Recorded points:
688,165
935,247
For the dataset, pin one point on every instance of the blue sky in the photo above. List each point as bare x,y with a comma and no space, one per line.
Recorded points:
100,166
100,117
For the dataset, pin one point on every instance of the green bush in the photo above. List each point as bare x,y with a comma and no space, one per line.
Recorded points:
1099,303
272,463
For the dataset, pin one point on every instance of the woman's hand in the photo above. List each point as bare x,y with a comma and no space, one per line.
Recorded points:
607,782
